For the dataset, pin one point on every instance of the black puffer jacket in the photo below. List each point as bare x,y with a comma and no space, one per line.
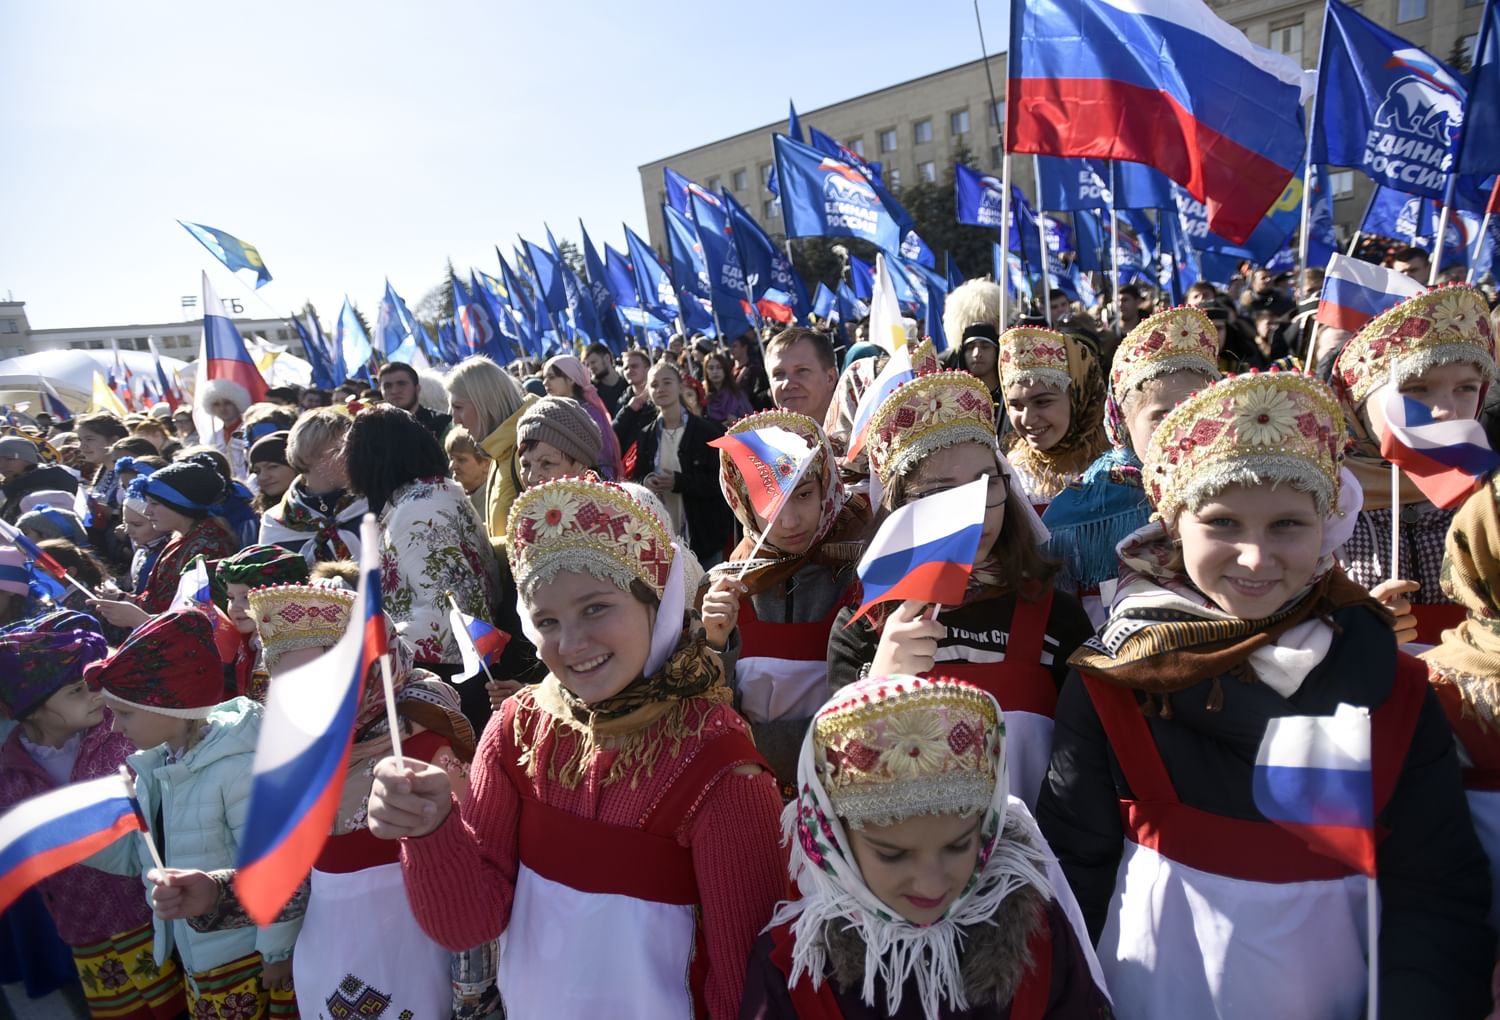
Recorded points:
709,519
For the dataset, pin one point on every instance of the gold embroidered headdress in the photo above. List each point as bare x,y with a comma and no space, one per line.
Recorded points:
1175,340
1436,328
590,526
935,410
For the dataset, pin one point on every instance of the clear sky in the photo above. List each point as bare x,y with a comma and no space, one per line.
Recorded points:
354,141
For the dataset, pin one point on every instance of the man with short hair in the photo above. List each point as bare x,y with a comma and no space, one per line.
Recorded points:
610,384
1059,306
1202,294
802,370
1266,293
636,408
1127,308
1413,262
400,387
22,473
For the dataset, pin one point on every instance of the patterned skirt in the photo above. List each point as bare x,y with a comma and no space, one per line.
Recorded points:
234,992
121,980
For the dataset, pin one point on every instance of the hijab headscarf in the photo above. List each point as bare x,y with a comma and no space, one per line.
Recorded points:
610,466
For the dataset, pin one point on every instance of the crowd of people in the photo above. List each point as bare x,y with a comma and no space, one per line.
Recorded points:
697,781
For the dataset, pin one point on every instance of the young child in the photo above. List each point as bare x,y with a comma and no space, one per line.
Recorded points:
1013,632
924,886
1054,396
773,614
193,771
619,801
1160,363
146,540
469,464
1231,614
1440,348
254,566
64,737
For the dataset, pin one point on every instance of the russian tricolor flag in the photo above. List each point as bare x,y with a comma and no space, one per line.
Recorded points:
303,751
925,550
771,460
1166,83
53,404
1312,776
222,354
1355,291
478,642
897,370
43,835
1445,459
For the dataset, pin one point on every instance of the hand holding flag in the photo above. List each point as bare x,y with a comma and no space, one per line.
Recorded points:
925,550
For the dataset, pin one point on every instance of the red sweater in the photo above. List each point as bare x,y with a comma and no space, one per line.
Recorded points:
461,878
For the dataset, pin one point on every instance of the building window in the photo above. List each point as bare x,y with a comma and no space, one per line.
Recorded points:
75,345
1466,45
765,174
1473,3
927,171
958,122
997,113
283,334
713,184
96,345
740,179
921,131
1410,10
857,147
1341,183
1287,39
768,209
893,177
9,326
888,140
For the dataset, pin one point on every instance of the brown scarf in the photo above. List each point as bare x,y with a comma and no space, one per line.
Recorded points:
648,716
840,547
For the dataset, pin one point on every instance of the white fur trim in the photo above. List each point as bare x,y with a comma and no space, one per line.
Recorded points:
222,389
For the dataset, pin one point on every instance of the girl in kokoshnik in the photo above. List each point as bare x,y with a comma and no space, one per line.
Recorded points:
620,796
184,499
773,614
1054,397
1440,347
254,566
1014,632
356,877
1160,363
924,886
193,768
65,737
1231,613
1464,669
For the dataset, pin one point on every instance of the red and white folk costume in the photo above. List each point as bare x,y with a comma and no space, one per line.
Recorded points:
589,826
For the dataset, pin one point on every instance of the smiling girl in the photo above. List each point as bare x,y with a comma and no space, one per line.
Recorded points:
774,613
1231,613
1440,348
1013,633
1054,396
924,886
620,796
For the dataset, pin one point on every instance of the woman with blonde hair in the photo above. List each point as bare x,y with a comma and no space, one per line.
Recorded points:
488,402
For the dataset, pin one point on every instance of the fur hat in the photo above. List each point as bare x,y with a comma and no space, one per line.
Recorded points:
213,390
562,422
169,665
971,302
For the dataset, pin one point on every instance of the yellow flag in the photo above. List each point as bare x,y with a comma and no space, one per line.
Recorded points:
104,398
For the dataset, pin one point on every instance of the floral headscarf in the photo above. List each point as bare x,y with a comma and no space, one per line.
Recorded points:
885,749
1085,438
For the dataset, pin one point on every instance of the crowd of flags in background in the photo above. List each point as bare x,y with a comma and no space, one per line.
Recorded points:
1156,171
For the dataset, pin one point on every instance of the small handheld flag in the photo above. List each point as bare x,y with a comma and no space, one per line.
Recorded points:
897,370
771,460
303,751
46,834
1445,459
926,549
193,588
480,644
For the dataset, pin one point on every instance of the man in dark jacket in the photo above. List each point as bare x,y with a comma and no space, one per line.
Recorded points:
23,473
400,387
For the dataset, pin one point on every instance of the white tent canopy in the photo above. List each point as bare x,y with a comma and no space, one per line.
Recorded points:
71,374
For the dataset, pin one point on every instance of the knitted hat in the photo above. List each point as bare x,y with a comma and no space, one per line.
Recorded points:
169,666
1435,328
935,410
574,524
972,302
562,422
191,486
260,565
980,331
290,616
1175,340
888,748
20,446
270,448
54,522
1260,428
51,497
34,665
15,577
434,704
1034,354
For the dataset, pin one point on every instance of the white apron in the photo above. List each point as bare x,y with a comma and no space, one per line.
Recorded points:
361,954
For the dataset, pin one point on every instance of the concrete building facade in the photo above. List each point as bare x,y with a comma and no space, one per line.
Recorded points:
913,127
175,339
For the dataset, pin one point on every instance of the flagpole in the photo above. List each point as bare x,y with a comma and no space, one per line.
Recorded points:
1005,240
1114,245
1395,509
392,721
1041,231
1442,229
1358,230
144,831
1372,934
1312,124
1484,229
